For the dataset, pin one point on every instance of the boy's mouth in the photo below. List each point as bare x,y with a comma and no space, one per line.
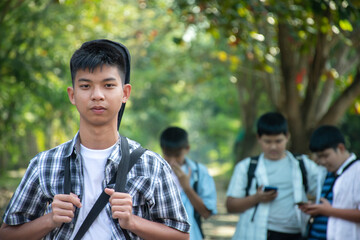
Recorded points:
98,109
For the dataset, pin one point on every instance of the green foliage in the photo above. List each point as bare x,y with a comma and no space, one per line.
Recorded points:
285,53
174,81
189,73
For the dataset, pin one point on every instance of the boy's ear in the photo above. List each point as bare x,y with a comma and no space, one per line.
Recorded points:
70,91
341,147
126,91
288,135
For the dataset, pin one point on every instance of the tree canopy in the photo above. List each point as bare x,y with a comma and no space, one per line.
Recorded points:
303,55
211,67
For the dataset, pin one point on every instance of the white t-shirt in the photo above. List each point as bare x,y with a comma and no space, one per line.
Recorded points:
346,192
282,215
94,162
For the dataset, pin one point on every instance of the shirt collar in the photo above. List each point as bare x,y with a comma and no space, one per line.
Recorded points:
341,168
115,155
74,147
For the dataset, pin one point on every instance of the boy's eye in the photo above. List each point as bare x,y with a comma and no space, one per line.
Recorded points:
109,85
84,86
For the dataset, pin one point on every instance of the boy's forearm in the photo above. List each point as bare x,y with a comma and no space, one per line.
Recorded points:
33,230
197,203
239,205
352,215
149,230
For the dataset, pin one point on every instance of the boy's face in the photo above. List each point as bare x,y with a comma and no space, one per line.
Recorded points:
175,156
331,158
98,96
273,146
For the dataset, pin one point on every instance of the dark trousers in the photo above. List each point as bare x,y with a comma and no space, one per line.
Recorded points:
272,235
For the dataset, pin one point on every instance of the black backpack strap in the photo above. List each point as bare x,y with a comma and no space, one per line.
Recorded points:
303,171
67,180
251,173
92,215
125,165
67,175
347,166
197,215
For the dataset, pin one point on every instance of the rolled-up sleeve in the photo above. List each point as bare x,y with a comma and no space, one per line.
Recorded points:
28,202
168,207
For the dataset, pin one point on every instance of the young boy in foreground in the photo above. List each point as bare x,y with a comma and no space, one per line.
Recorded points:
151,206
328,143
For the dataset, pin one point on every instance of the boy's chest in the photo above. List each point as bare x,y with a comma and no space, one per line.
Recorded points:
279,174
343,192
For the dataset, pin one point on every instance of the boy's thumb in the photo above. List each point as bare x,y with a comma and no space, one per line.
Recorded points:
109,191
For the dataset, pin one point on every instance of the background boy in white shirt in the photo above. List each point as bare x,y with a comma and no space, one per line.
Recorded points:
328,143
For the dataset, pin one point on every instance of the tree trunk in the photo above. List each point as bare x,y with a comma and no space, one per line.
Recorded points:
338,109
249,90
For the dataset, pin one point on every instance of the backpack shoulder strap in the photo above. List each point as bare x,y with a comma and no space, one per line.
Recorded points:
67,175
197,215
195,186
125,165
299,157
251,173
67,180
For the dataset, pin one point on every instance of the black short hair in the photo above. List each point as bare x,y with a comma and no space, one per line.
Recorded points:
272,123
96,53
325,137
174,138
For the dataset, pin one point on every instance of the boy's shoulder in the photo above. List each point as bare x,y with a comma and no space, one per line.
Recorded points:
353,169
197,166
61,151
255,159
149,157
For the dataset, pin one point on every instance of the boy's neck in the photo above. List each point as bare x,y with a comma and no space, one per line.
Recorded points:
98,138
345,157
183,162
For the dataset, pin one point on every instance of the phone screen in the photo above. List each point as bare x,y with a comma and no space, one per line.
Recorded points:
270,188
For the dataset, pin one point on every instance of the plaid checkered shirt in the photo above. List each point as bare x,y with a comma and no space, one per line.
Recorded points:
149,182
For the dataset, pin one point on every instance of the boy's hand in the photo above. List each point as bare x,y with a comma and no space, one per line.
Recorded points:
63,208
121,207
183,178
316,209
264,197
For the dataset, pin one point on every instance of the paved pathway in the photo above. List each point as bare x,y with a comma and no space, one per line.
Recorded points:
221,226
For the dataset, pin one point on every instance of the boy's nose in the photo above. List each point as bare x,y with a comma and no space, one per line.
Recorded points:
273,146
97,94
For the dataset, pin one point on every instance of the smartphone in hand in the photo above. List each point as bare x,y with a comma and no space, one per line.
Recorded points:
270,188
301,203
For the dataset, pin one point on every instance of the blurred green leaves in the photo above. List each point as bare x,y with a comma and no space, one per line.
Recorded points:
195,64
174,81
